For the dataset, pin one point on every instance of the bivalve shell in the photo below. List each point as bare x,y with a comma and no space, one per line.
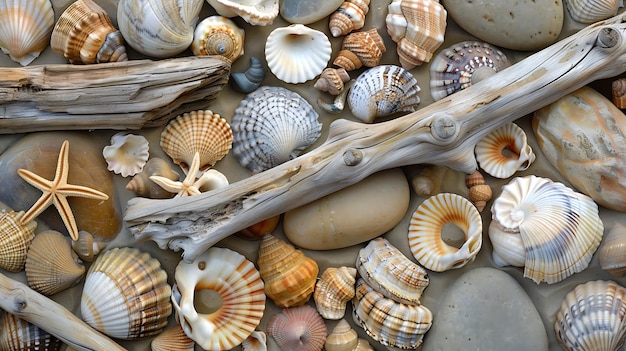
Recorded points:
342,337
255,12
217,35
504,151
15,239
333,290
298,328
25,28
612,254
172,339
18,335
590,11
127,154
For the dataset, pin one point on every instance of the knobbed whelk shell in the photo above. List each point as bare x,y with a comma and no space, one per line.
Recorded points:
348,17
217,35
127,154
592,316
298,328
15,239
612,252
590,11
504,151
25,28
255,12
333,290
17,334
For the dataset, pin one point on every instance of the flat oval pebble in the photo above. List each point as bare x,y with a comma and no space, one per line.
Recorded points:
352,215
517,25
307,11
486,309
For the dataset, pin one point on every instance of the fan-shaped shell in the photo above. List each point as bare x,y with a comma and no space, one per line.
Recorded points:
381,91
558,228
18,335
342,337
15,238
84,34
240,287
127,154
272,125
348,17
590,11
25,28
197,131
255,12
504,151
217,35
463,65
126,294
297,53
298,328
143,186
592,316
612,254
172,339
368,46
333,290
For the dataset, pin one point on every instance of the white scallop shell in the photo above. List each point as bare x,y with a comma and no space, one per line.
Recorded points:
504,151
25,28
255,12
590,11
297,53
218,35
127,154
272,125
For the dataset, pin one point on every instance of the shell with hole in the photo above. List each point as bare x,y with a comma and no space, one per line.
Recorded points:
590,11
504,151
255,12
218,35
25,28
17,334
333,290
127,154
612,252
15,238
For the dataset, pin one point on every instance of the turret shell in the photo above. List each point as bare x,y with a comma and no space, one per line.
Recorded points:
342,337
217,35
15,238
333,290
25,28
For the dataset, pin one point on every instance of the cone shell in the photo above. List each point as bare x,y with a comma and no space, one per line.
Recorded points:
172,339
18,335
288,274
590,11
348,17
255,12
298,328
504,151
197,131
368,46
143,186
25,27
612,252
240,287
332,80
591,317
126,294
342,337
333,290
558,229
217,35
257,341
15,238
127,154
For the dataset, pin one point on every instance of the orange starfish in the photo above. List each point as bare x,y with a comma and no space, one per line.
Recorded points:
56,192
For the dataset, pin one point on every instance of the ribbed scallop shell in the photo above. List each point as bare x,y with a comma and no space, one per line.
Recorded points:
217,35
126,294
25,28
127,154
427,226
240,287
288,274
368,46
197,131
389,322
51,264
333,290
504,151
172,339
255,12
297,53
342,337
15,239
18,335
298,328
590,11
591,317
348,17
463,65
612,254
390,272
272,125
381,91
84,34
558,228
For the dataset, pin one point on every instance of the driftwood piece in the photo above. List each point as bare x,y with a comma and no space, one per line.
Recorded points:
443,133
117,95
29,305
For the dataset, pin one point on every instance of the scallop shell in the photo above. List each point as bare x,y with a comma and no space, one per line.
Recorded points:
158,28
479,192
367,46
590,11
618,90
427,227
390,272
25,28
332,80
87,247
51,264
348,17
298,328
172,339
612,252
255,12
143,186
197,131
272,125
381,91
250,79
84,34
18,335
15,239
462,65
342,337
418,27
217,35
257,341
297,53
288,274
591,317
555,229
504,151
127,154
240,288
333,290
126,294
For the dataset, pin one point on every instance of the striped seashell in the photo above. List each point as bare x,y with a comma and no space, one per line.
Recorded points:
611,253
126,294
363,345
242,300
342,337
348,17
618,91
141,184
250,79
217,35
127,154
368,47
298,328
25,28
257,341
15,239
172,339
19,335
590,11
504,151
87,247
333,290
544,226
347,60
332,80
479,191
390,272
255,12
426,231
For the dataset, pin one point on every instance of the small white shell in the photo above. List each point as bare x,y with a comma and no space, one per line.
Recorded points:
297,53
590,11
504,151
217,35
25,28
255,12
127,154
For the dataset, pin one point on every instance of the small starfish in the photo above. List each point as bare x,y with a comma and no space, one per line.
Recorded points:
188,187
56,192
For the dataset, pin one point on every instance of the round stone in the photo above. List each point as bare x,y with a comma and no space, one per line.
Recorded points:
307,11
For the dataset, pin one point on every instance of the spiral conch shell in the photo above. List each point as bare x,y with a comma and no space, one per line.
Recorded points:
504,151
359,49
25,28
348,17
15,239
217,35
612,252
333,290
342,338
255,12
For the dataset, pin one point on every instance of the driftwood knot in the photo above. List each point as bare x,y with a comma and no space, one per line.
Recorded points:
444,128
352,157
608,37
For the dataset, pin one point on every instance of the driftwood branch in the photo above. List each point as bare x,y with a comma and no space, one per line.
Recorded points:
29,305
443,133
117,95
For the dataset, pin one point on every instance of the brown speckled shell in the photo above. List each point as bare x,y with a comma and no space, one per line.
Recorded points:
19,335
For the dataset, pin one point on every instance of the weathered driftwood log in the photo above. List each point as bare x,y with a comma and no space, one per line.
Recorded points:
443,133
31,306
118,95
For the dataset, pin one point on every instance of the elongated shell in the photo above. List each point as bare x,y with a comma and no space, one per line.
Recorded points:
172,339
333,290
504,151
15,239
342,337
126,294
217,35
368,46
298,328
127,154
250,79
590,11
255,12
348,17
558,228
479,191
25,28
592,316
612,252
18,335
143,186
240,288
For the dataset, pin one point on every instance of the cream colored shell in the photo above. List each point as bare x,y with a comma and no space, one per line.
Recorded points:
333,290
504,151
342,337
17,334
348,17
590,11
141,184
172,339
15,238
25,28
298,328
612,252
218,35
255,12
127,154
257,341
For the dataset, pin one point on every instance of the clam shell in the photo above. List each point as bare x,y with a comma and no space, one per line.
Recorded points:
504,151
559,228
590,11
368,46
612,254
172,339
127,154
298,328
25,28
217,35
342,337
143,186
427,226
348,17
126,294
250,79
255,12
15,238
84,34
197,131
297,53
272,125
333,290
257,341
87,247
240,287
591,317
18,335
